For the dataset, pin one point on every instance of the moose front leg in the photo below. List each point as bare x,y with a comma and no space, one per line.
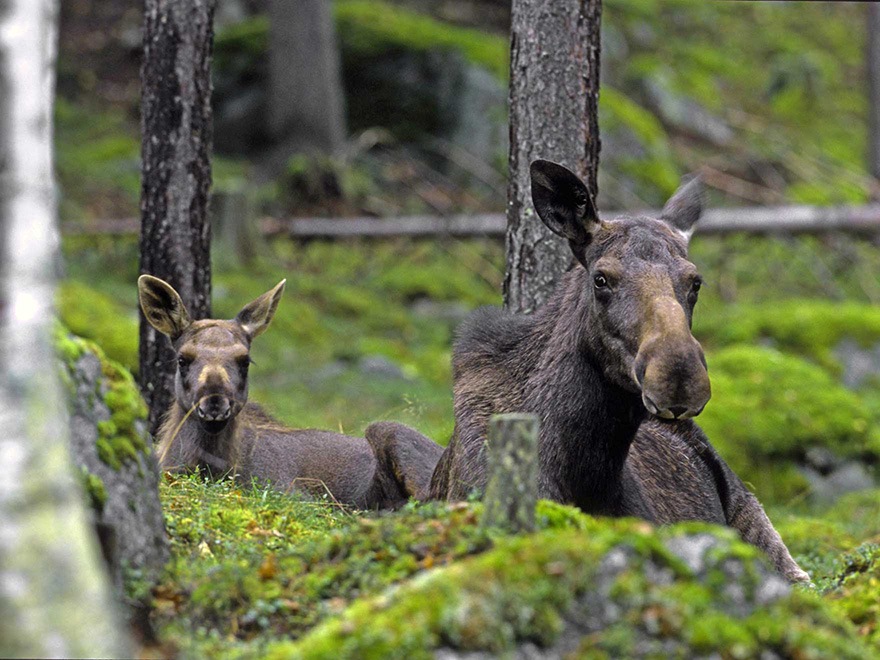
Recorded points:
747,516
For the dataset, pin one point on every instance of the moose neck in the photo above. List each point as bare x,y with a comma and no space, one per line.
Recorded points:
588,422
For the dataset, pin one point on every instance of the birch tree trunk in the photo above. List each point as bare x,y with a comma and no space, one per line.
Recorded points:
55,598
554,95
176,179
306,106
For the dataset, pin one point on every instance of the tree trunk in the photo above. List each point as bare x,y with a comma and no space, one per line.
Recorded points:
873,61
306,106
554,95
512,472
176,179
55,598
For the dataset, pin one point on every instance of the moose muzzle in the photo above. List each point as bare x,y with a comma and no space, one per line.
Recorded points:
670,367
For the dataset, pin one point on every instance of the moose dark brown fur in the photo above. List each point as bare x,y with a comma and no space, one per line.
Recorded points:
599,363
211,426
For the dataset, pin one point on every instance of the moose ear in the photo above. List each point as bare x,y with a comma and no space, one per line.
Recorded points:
256,316
685,207
563,202
162,306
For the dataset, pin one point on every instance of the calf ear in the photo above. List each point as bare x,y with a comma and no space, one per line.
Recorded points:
256,316
563,202
162,306
685,207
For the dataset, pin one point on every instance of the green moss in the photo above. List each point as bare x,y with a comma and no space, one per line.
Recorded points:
93,315
856,591
521,591
94,488
370,28
121,437
255,562
811,328
768,408
97,155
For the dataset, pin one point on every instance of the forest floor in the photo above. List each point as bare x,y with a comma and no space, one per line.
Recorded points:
364,333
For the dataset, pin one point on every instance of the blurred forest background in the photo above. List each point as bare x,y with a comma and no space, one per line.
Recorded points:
769,100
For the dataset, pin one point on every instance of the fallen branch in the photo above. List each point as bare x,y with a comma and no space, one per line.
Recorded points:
757,219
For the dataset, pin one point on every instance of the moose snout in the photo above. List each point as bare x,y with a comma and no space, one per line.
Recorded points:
214,407
673,379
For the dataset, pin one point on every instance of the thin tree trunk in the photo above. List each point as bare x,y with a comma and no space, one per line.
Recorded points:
177,137
306,106
873,61
55,598
554,95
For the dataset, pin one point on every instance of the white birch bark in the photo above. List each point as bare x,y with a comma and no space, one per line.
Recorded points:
55,599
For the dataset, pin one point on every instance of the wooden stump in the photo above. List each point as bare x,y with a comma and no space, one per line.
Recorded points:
512,461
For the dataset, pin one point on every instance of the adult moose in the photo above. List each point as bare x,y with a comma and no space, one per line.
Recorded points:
211,426
609,353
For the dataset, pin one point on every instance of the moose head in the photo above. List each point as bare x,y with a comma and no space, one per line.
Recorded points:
639,289
213,356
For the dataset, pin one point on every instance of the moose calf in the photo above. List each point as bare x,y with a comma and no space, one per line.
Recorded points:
609,354
211,426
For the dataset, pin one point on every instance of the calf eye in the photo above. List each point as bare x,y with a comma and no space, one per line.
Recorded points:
183,363
600,281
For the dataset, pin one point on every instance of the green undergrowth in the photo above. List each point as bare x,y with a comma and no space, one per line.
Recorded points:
370,28
253,565
812,328
350,303
768,408
253,570
855,590
527,589
96,316
97,153
819,536
121,437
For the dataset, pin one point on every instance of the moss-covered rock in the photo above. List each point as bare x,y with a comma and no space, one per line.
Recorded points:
272,581
769,408
109,445
617,589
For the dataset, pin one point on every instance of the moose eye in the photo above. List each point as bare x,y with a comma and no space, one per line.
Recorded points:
695,287
183,362
600,281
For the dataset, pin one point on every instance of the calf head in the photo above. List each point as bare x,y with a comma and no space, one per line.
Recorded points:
639,290
213,356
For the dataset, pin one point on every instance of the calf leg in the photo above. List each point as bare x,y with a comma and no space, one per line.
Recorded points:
405,462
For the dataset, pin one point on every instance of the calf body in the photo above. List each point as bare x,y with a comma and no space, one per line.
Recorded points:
607,355
211,426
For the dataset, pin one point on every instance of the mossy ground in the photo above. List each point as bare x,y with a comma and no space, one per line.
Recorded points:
251,568
253,571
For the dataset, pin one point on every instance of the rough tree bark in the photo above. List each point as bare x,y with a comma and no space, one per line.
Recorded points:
512,469
54,595
873,62
306,106
176,180
554,95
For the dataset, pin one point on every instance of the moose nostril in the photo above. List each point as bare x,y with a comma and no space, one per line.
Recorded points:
678,411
